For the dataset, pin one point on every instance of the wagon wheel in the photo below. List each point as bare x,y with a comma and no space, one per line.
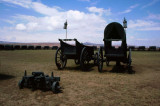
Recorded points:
55,87
129,61
84,58
20,84
100,59
95,58
76,61
60,59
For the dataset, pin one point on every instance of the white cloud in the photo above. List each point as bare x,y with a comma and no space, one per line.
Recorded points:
23,3
20,27
100,11
129,9
150,29
81,25
154,16
32,25
8,21
43,9
151,3
143,25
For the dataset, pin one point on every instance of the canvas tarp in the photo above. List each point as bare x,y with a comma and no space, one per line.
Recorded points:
114,31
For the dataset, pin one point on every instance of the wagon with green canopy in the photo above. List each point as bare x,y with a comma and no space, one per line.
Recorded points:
114,32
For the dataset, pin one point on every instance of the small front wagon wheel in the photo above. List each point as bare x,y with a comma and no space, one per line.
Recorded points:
60,59
55,87
20,84
100,60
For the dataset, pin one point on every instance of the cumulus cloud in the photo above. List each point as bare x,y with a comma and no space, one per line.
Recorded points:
100,11
20,27
81,25
144,25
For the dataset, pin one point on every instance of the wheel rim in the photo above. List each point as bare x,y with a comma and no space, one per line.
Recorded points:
84,59
55,87
100,60
60,59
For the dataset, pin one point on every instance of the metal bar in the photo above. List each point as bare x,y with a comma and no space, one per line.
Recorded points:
112,39
68,39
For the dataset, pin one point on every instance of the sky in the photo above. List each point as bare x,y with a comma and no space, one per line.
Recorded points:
43,20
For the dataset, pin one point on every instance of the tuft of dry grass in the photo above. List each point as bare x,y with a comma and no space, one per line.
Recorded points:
80,88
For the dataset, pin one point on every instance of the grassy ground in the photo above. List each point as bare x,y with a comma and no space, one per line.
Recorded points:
80,88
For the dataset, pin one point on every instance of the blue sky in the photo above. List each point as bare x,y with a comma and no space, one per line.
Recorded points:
43,20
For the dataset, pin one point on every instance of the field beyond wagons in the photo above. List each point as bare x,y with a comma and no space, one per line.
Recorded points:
79,87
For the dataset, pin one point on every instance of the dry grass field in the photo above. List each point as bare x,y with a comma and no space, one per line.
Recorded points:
80,88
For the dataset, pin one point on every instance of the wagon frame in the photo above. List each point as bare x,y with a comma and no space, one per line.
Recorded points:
81,54
114,32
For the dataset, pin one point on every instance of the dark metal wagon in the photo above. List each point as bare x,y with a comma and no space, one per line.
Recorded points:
81,54
114,32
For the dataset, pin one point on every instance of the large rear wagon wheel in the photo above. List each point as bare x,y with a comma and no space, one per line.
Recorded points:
84,58
100,60
60,59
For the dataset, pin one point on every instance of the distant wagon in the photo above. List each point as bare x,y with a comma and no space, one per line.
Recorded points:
1,47
152,48
24,47
8,47
54,47
38,47
30,47
141,48
114,32
80,53
17,47
131,47
46,47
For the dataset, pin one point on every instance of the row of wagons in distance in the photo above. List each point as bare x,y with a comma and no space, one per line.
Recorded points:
31,47
26,47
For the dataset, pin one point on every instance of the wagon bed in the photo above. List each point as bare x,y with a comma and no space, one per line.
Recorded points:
81,54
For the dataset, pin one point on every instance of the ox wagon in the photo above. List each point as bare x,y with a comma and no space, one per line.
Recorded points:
114,32
81,54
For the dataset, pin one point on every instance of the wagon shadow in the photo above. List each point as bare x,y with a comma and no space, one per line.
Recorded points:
78,68
121,69
6,77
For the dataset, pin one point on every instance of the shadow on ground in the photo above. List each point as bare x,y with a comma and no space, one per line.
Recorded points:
121,69
6,77
87,68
